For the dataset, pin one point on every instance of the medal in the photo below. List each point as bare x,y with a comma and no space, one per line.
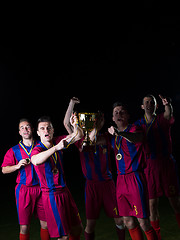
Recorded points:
55,170
119,156
27,160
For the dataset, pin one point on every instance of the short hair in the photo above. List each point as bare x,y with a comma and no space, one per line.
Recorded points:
151,96
25,120
120,104
43,119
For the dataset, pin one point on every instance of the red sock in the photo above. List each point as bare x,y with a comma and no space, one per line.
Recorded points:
156,226
120,233
89,236
151,234
136,233
23,236
71,237
44,234
178,219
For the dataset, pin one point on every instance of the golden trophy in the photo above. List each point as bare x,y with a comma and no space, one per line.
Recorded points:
87,121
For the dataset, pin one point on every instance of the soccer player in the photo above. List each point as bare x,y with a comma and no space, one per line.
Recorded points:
160,172
132,195
100,188
62,215
27,191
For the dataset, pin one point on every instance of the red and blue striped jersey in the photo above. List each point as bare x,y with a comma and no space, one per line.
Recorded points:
26,174
132,154
96,164
49,181
158,137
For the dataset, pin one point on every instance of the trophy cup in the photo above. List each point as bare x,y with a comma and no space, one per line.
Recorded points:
87,121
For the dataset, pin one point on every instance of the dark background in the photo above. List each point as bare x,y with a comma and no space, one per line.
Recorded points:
45,63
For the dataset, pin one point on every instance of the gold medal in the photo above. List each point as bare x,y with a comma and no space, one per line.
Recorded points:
119,156
55,170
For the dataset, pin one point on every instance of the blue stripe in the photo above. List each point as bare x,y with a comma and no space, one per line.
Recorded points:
142,195
56,215
133,154
88,167
17,199
18,156
107,162
98,164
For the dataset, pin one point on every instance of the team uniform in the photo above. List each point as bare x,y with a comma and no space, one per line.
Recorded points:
60,208
132,195
161,170
100,188
27,190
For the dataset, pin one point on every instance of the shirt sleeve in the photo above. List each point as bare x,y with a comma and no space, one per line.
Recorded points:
9,159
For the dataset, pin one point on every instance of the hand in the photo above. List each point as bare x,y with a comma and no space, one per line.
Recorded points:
164,100
75,100
62,144
22,163
73,119
111,130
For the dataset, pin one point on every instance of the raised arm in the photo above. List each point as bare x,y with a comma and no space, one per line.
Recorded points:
168,113
68,114
77,134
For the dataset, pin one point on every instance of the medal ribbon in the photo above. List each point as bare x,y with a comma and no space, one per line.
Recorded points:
54,156
148,125
23,147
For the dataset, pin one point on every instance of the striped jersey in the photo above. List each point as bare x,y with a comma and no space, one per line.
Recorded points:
158,137
26,174
96,164
50,181
132,154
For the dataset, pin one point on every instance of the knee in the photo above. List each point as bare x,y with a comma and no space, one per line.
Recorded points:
90,226
43,224
24,229
129,222
119,221
144,224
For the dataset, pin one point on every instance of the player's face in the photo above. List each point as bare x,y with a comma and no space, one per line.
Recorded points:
149,105
45,131
120,116
25,130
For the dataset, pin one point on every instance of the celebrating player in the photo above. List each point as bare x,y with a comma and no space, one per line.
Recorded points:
132,195
160,172
27,191
62,215
100,188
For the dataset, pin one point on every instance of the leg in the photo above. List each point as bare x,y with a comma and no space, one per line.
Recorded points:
24,232
134,229
120,229
154,216
175,204
44,231
76,232
147,228
90,229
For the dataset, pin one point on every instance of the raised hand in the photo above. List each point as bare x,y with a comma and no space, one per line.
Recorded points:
164,100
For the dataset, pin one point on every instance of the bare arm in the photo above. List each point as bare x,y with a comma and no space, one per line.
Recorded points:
168,113
77,134
13,168
133,137
68,114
